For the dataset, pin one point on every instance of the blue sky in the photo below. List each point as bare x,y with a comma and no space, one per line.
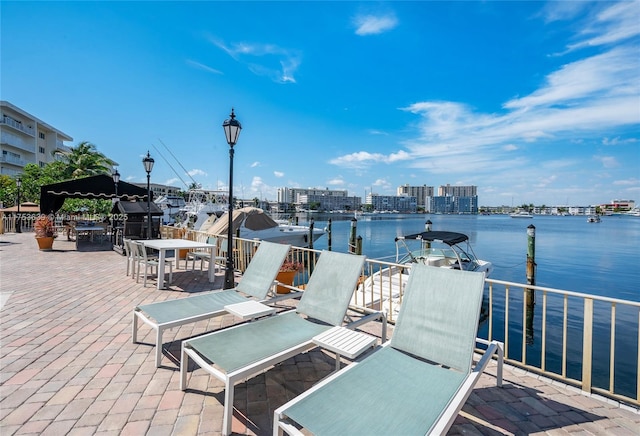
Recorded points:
533,102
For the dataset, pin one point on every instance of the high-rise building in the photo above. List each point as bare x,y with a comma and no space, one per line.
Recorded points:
420,192
457,191
25,139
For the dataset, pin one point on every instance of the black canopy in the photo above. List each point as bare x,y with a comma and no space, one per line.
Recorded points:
135,208
95,187
449,238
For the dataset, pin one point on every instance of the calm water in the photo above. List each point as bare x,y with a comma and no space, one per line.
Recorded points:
570,253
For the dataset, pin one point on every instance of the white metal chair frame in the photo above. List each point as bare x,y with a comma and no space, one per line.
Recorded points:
149,262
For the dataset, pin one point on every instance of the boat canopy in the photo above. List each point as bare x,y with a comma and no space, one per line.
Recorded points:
253,218
449,238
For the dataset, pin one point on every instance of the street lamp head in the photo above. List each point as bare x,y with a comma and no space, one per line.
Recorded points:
148,163
116,176
232,129
18,182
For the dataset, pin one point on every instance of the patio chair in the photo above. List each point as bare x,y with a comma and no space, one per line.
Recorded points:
130,253
426,366
144,260
256,283
203,255
237,353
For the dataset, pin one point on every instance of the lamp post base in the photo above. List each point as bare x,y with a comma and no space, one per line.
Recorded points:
229,279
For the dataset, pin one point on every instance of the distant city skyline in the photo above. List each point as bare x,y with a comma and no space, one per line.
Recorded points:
533,102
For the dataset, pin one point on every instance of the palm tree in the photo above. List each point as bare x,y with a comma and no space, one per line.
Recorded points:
84,160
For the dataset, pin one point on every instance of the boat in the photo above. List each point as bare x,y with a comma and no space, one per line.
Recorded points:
254,223
521,214
593,219
170,206
200,205
439,249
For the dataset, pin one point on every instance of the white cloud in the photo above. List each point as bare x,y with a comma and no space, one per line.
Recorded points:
618,141
278,174
277,63
203,67
607,161
374,24
362,159
338,181
196,172
627,182
255,164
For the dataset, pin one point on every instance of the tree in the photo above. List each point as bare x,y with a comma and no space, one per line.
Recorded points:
84,160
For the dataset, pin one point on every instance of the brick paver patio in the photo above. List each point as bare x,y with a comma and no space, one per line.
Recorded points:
68,366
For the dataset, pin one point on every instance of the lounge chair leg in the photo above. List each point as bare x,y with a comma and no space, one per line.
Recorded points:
228,409
158,347
184,365
134,332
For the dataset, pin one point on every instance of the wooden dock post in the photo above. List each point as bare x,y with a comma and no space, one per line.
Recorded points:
310,244
531,254
329,235
359,245
529,294
352,235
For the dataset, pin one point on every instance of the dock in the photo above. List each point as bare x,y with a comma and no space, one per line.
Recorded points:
68,365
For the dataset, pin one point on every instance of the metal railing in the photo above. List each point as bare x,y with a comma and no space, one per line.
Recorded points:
584,340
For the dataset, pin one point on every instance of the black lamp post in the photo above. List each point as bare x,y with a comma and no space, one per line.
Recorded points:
18,226
232,129
116,179
148,166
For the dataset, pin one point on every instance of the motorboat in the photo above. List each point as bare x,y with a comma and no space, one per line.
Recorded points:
254,223
383,288
202,204
171,205
593,219
521,214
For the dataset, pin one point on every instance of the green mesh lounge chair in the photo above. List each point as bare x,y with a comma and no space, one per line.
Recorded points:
238,353
427,367
256,283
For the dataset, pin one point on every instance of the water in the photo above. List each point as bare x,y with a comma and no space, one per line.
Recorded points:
571,254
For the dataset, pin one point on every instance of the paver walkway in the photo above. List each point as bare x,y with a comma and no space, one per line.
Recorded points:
67,364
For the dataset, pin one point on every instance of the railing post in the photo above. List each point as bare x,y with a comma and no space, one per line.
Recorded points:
587,344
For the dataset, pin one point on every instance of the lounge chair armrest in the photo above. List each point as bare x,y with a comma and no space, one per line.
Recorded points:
494,347
371,316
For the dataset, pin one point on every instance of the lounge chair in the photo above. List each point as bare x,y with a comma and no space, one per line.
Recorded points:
238,353
257,281
417,382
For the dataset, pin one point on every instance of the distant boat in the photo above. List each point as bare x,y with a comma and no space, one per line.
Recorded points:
521,214
593,219
253,223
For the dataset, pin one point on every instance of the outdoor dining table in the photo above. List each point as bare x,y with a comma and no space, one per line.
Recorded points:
162,245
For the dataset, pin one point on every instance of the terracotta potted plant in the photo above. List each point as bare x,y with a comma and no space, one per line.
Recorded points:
45,232
287,273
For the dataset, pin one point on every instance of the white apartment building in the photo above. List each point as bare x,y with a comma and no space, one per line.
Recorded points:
457,191
25,139
420,192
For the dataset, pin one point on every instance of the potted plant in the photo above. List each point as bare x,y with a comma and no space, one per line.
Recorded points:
287,273
45,232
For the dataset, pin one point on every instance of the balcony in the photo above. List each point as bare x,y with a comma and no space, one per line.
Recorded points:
6,121
12,160
17,142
